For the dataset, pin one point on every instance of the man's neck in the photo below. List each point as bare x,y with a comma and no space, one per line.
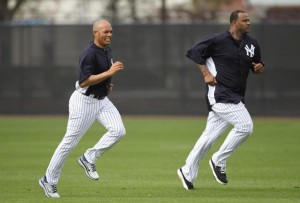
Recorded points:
236,35
99,45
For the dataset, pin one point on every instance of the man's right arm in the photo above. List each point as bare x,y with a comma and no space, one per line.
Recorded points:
95,79
208,77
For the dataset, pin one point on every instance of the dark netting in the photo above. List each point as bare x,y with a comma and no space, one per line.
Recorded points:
38,67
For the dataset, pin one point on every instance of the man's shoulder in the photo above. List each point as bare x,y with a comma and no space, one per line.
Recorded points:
214,37
88,51
89,48
222,35
219,36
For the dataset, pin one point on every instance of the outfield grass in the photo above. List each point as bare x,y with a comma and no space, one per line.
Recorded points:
142,167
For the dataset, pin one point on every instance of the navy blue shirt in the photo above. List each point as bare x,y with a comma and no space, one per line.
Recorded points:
231,60
94,60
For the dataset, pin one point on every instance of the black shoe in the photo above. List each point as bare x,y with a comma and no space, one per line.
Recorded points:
186,184
219,175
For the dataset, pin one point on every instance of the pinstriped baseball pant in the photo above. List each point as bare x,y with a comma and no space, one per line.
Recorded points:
83,111
219,119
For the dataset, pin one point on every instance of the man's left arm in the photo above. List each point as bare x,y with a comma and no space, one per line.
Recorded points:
257,65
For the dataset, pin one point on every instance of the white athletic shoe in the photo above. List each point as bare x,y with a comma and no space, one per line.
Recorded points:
90,169
50,189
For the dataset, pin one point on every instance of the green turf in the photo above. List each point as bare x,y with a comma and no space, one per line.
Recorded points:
142,167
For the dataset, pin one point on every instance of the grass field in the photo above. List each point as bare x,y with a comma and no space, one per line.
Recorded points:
142,167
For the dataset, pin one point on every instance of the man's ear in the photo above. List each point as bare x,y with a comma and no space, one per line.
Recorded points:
234,22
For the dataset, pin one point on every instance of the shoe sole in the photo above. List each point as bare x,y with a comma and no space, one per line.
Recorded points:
85,170
182,179
213,171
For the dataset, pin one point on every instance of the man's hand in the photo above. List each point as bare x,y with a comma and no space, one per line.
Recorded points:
258,67
116,67
209,78
110,87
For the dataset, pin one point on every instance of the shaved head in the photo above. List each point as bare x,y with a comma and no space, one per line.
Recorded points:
100,24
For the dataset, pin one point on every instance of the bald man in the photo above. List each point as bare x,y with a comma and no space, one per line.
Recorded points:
87,104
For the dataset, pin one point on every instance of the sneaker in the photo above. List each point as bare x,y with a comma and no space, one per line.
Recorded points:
219,174
50,189
90,169
186,184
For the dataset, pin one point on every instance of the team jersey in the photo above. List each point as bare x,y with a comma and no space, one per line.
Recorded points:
92,61
229,61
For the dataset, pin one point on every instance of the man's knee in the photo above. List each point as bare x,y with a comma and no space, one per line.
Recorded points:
247,128
118,131
122,132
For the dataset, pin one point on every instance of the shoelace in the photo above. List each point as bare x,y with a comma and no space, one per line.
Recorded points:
54,189
91,167
221,169
51,188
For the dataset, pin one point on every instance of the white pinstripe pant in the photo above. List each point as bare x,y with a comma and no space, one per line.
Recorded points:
218,121
83,111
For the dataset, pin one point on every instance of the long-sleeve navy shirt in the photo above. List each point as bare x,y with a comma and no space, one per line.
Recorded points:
230,62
